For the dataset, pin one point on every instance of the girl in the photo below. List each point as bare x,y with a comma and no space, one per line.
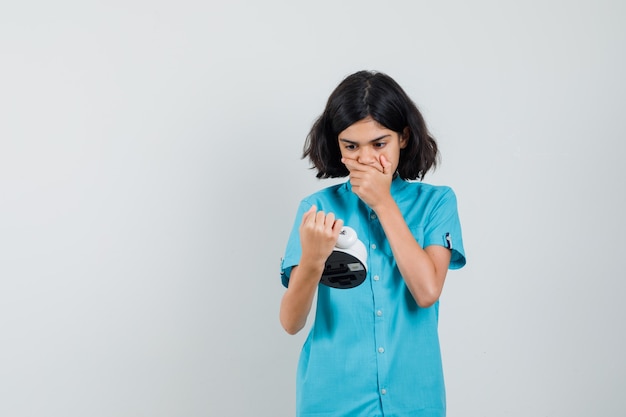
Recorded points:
373,350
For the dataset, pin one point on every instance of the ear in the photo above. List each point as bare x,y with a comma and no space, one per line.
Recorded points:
404,137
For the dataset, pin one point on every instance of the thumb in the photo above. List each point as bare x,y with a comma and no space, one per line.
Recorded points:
385,164
307,214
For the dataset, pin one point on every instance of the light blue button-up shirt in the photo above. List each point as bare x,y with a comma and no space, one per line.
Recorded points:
372,351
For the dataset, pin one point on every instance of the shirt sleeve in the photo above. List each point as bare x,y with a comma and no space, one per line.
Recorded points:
444,228
293,252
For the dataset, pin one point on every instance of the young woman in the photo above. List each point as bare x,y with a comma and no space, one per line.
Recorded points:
373,350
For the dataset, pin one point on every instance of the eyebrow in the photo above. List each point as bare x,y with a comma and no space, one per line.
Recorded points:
351,142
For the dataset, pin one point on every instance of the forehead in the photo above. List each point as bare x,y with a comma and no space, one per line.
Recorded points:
364,130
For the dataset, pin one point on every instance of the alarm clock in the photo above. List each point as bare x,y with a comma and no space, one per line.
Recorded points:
346,267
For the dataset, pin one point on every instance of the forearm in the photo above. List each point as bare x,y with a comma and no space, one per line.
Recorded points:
318,235
419,271
298,299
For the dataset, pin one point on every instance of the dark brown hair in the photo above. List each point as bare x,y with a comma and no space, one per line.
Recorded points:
373,94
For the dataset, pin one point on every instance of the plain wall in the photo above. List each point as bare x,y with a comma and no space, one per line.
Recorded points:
150,171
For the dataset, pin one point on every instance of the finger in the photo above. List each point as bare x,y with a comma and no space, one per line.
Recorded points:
358,170
386,165
338,224
319,218
329,221
378,166
353,164
356,166
308,214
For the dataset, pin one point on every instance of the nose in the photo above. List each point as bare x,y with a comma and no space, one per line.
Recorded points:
366,156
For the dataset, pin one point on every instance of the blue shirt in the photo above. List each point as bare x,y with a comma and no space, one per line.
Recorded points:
372,351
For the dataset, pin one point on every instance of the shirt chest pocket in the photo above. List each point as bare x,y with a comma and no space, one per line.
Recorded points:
418,234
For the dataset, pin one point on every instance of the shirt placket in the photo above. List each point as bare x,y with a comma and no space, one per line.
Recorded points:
377,262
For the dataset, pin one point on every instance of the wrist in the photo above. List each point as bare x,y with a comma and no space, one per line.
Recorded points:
384,205
311,267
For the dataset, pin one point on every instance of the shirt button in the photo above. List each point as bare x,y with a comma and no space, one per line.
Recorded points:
376,277
379,313
383,391
373,246
373,216
381,350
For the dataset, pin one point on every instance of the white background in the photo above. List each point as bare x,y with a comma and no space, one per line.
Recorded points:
150,171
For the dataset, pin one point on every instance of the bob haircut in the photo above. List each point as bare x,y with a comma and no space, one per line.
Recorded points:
373,94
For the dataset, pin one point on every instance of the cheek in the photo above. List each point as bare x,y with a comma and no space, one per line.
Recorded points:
393,158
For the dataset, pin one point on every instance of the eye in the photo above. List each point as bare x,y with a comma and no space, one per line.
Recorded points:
349,146
380,144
